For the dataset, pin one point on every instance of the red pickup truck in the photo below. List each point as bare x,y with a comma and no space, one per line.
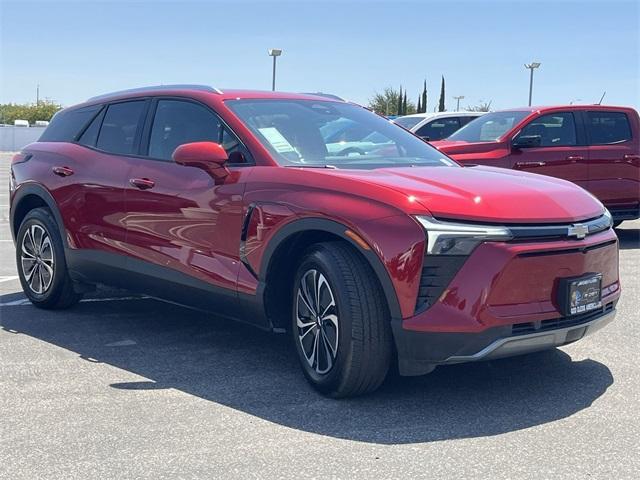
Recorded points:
595,146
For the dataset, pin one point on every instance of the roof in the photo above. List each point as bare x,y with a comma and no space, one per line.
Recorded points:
442,114
206,89
581,106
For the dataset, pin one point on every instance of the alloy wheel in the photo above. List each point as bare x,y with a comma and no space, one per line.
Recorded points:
317,321
37,259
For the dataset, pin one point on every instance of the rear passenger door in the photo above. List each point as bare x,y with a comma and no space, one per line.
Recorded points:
614,161
562,151
180,223
100,177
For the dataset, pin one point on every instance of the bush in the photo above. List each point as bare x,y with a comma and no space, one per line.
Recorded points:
44,110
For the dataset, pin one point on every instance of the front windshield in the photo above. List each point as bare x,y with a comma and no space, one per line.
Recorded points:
324,133
489,127
408,122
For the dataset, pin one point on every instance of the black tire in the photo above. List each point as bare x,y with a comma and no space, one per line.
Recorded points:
617,223
364,341
59,292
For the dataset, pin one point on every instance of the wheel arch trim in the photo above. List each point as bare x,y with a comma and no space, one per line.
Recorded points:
338,229
39,191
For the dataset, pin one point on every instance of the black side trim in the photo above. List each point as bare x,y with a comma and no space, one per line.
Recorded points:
39,191
337,229
94,266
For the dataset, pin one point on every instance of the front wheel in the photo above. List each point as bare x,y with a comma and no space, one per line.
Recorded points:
340,327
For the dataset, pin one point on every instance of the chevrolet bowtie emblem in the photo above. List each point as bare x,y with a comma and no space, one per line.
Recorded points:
578,230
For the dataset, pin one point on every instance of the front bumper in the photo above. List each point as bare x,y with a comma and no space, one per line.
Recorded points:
419,352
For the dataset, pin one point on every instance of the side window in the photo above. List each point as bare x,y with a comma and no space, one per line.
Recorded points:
439,128
554,130
608,127
67,124
237,152
119,127
90,136
177,122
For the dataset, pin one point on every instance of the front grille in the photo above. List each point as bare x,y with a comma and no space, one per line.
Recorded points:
557,323
437,273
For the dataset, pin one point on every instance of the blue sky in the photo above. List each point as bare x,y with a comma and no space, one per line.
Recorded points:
78,49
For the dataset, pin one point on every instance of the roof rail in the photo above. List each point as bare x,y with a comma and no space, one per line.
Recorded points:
326,95
205,88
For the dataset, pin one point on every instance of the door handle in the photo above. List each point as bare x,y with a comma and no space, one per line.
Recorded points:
62,171
530,164
575,158
142,183
631,157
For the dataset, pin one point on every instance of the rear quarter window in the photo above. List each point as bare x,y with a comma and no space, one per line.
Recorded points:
608,127
67,124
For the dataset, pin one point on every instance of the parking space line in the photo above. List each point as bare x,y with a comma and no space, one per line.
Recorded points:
25,301
8,279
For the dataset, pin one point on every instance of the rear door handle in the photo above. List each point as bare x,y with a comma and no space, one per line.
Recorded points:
575,158
62,171
142,183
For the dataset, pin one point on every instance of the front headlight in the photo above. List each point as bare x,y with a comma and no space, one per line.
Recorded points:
450,238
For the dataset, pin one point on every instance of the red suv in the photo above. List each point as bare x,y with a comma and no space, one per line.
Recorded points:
239,203
595,146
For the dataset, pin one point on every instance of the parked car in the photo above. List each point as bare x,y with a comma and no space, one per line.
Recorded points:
597,147
231,202
436,126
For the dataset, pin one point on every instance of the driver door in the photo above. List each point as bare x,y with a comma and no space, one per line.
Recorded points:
562,150
182,226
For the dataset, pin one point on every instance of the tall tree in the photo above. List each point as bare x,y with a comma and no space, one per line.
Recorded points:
387,101
404,103
399,110
419,107
424,97
441,107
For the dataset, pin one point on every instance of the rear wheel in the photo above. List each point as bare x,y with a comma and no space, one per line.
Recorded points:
340,327
42,267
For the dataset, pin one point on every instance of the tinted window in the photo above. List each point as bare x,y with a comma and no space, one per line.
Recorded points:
302,132
408,122
90,135
489,127
439,128
177,122
67,124
555,130
119,127
466,119
608,127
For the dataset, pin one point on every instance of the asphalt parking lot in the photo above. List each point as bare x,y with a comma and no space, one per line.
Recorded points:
130,387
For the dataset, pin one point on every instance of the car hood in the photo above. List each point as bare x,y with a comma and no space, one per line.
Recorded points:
451,147
485,194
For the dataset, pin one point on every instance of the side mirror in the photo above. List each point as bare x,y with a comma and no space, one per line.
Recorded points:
526,141
208,156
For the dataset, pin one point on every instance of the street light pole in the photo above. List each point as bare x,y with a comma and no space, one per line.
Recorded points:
274,52
458,102
532,66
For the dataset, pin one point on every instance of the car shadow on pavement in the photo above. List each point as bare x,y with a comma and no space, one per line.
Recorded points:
629,238
256,372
